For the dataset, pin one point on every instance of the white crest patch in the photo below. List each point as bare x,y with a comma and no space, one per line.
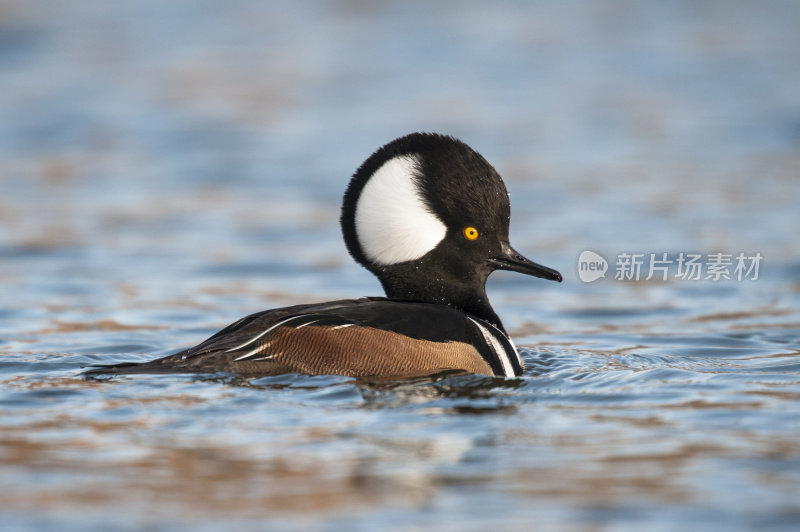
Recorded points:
393,224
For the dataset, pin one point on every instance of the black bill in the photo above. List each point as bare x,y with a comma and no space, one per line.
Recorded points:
510,260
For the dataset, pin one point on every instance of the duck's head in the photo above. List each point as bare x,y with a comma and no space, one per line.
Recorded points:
429,217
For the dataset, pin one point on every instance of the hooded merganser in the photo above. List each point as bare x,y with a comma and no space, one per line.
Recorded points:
429,217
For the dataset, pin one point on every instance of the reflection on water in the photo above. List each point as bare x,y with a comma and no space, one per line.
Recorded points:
169,168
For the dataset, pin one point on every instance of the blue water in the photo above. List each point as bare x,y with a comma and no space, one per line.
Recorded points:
168,167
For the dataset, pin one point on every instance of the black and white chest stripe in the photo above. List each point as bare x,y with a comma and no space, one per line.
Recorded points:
498,349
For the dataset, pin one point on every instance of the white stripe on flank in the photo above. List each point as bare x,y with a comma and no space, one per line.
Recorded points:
262,334
249,354
498,348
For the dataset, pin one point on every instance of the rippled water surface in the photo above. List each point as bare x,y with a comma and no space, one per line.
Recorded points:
168,167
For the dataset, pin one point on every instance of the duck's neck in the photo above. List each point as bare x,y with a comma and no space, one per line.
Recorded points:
469,298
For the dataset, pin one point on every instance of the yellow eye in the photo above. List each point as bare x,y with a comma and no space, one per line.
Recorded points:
471,233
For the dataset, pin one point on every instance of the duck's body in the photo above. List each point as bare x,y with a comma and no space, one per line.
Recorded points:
429,217
360,338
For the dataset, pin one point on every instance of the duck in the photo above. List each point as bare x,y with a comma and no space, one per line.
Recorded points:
429,217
